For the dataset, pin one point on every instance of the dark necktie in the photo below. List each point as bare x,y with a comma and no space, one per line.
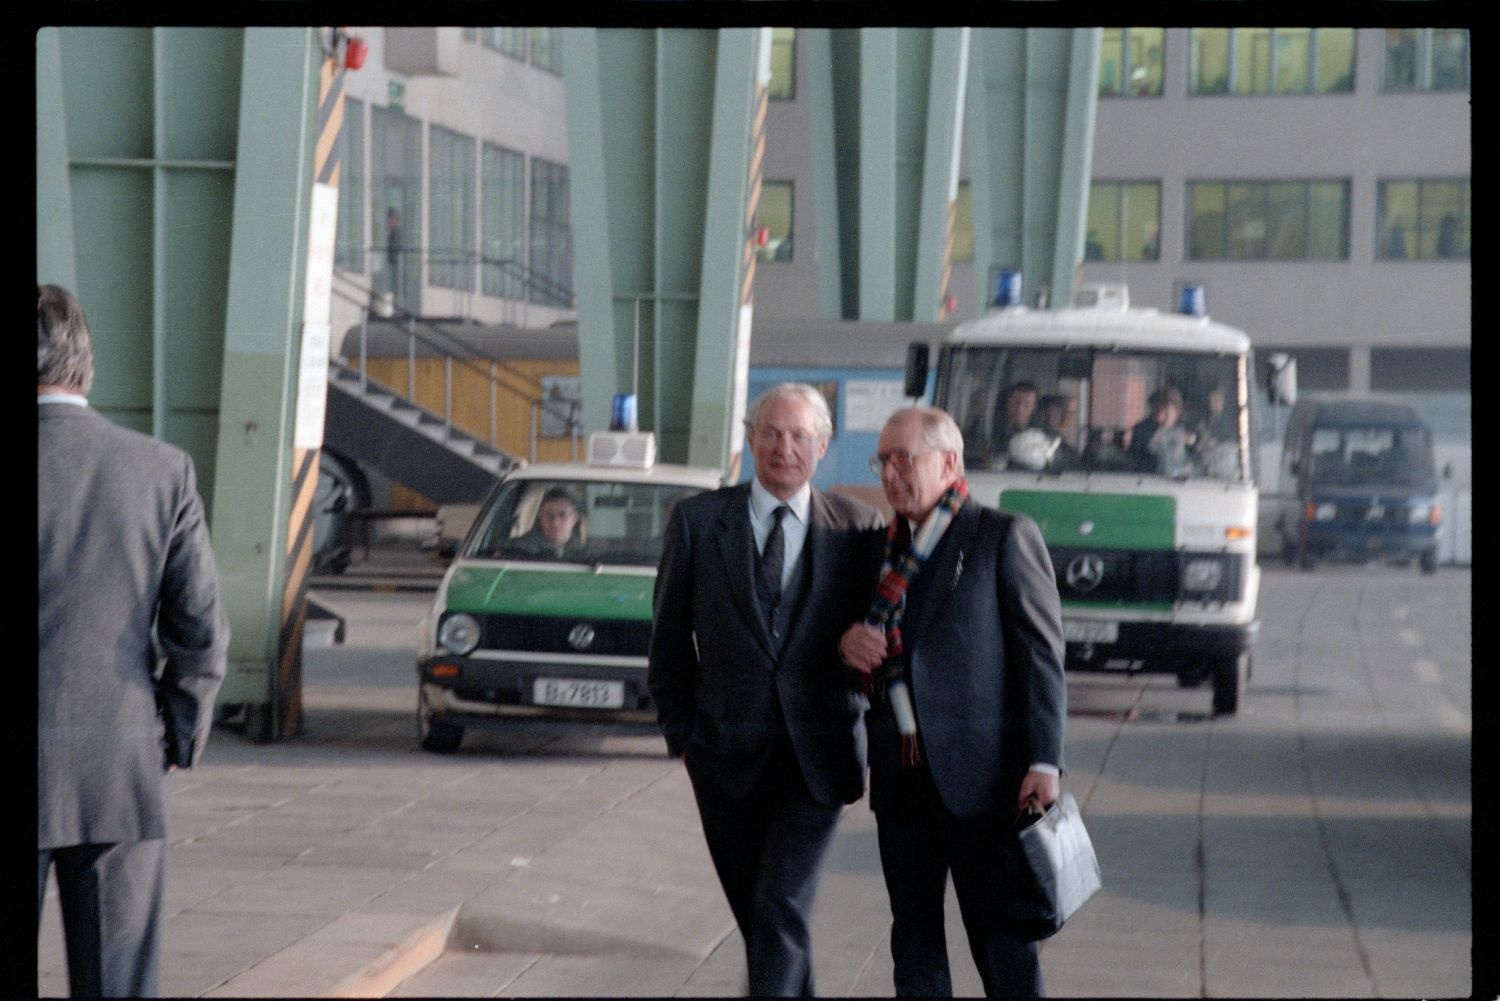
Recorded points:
772,559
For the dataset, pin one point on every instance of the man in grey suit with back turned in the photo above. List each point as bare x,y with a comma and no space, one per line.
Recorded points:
966,621
754,588
122,546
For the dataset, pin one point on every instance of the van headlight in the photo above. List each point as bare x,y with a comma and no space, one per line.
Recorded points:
1425,513
459,633
1202,574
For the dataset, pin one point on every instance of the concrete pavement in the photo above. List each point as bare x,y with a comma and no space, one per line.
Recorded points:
1316,845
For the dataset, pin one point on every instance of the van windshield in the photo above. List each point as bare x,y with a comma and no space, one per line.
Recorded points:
1371,456
1059,410
577,521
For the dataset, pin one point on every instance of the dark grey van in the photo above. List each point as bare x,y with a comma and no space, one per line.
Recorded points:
1366,483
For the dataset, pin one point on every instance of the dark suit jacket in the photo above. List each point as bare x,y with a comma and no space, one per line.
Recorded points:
983,635
715,674
121,546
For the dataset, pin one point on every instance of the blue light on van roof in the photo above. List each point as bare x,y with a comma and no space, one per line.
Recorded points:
1190,301
1007,289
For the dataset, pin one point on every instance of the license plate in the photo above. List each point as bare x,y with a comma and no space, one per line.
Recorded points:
578,693
1090,631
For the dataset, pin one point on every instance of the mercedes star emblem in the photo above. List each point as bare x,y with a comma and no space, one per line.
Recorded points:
1085,572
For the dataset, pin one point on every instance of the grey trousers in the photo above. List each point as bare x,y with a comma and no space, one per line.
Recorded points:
110,898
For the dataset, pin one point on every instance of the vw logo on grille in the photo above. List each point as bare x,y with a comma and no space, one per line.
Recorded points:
1085,572
581,636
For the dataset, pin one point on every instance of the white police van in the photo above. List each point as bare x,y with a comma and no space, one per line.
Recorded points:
529,623
1150,523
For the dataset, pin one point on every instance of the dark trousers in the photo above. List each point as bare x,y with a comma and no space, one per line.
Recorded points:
110,897
768,851
920,844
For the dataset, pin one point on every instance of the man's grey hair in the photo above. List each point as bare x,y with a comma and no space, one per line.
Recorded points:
64,346
822,418
939,431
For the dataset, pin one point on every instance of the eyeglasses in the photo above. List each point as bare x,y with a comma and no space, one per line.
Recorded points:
902,461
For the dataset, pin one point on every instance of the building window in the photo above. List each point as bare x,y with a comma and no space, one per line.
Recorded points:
396,204
1270,61
349,247
503,192
1419,369
962,251
783,86
546,49
471,34
1130,62
774,212
1425,59
506,41
451,207
1268,220
1124,221
1422,220
551,261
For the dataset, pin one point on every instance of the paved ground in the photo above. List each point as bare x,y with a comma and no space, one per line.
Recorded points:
1316,845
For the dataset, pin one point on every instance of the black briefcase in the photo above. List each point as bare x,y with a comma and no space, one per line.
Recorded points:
1052,867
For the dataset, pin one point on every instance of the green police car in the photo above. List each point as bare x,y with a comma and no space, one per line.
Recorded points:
546,607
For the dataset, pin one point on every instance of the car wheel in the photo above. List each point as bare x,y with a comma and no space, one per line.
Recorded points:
435,735
1231,674
1429,561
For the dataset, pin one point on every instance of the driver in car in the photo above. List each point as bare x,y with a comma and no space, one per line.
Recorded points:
554,534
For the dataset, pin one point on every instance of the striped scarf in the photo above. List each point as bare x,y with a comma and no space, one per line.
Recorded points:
897,572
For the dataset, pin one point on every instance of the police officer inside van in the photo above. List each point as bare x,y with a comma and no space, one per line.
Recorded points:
554,535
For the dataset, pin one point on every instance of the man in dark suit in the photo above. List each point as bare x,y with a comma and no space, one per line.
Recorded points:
121,547
751,595
964,642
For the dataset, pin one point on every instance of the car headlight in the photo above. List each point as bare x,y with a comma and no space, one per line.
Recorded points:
459,633
1202,575
1325,512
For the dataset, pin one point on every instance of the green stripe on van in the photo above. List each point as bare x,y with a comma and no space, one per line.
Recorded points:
1097,521
580,593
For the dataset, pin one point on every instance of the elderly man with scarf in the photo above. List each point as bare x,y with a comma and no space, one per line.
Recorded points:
962,650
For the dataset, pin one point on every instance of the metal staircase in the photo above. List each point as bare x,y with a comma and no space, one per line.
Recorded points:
376,426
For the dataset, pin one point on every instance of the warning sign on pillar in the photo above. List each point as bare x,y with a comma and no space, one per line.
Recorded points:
317,304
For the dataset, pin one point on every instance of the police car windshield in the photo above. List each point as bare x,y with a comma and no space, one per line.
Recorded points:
577,521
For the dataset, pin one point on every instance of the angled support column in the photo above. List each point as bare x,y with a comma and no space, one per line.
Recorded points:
268,257
662,233
1032,95
886,108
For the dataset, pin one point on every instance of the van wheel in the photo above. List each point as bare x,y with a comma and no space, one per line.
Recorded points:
1309,559
1429,561
1231,674
435,735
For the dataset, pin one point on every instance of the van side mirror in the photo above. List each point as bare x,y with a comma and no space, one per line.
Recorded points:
1447,470
1296,467
1281,378
916,370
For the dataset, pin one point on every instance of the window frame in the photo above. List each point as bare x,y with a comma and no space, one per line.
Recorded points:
1420,232
1230,86
1122,90
1240,208
1422,59
1121,238
442,272
770,253
790,93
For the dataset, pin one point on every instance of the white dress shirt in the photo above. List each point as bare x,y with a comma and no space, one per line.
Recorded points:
763,504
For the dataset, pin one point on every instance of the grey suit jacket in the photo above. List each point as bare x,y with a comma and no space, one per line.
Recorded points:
121,547
717,677
983,635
